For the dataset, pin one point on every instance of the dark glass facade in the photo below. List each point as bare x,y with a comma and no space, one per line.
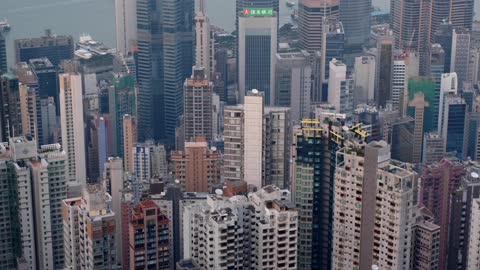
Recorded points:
165,58
258,63
3,54
355,16
456,129
55,48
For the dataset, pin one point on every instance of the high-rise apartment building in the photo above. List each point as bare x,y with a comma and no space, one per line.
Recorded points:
365,231
426,236
340,88
36,183
461,203
72,124
55,47
355,16
256,140
474,239
313,167
257,46
10,113
197,167
293,85
149,239
460,55
253,138
165,59
125,22
89,230
149,161
438,181
198,112
258,232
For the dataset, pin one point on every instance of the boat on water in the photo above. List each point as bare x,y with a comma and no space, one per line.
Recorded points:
291,3
4,26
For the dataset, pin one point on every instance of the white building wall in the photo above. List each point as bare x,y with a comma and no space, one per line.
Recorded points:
338,74
448,85
473,258
203,43
72,124
364,76
253,140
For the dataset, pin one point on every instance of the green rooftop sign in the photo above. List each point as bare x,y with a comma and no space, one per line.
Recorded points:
258,12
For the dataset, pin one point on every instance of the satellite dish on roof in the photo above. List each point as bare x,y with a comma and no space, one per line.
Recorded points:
214,148
474,175
177,181
219,192
255,91
345,128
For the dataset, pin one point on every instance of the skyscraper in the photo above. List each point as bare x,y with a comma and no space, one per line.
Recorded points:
364,78
461,13
340,87
355,16
253,138
313,165
383,92
448,87
462,201
443,36
438,181
28,177
433,150
129,140
197,116
3,54
72,123
204,51
411,25
454,126
126,22
165,59
257,46
460,55
55,47
312,16
122,97
293,74
10,113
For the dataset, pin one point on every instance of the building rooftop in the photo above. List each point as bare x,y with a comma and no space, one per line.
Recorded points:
25,74
41,63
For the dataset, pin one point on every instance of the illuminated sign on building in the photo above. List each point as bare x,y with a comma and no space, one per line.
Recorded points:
258,12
